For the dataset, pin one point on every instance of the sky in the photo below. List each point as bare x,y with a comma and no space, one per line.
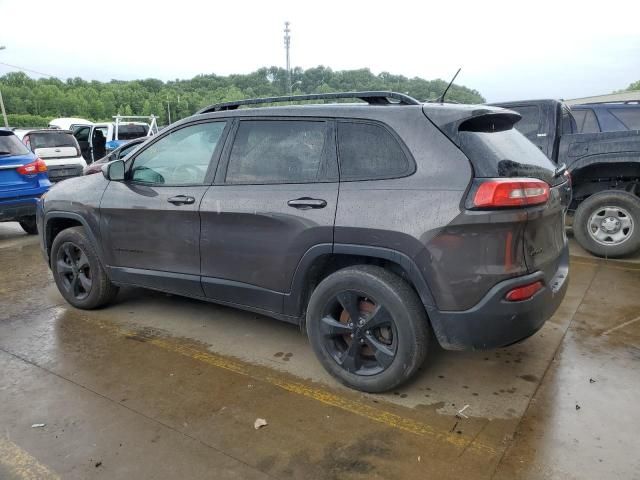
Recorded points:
507,50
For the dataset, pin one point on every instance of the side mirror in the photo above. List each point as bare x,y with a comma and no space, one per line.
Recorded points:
114,171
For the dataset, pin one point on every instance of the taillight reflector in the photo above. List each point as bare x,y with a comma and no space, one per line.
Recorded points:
32,168
523,293
511,192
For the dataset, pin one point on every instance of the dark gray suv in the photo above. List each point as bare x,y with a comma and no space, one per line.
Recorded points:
373,225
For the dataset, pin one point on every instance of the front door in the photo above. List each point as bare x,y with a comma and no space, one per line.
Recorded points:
83,136
274,199
150,222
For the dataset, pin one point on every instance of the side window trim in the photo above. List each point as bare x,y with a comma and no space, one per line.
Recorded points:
213,161
411,163
330,156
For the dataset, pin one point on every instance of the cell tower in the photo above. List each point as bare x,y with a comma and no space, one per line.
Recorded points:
287,44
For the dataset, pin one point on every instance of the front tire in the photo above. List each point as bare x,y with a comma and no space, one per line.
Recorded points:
368,328
78,273
607,224
29,225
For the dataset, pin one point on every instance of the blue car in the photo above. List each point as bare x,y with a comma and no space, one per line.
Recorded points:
23,180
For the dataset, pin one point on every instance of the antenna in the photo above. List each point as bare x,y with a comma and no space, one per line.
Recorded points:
441,99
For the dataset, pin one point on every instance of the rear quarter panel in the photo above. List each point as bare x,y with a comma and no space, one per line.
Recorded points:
408,214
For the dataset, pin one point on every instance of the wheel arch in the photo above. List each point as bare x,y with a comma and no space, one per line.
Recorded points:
55,222
323,260
599,173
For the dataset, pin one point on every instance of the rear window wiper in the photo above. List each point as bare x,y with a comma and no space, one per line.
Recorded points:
4,153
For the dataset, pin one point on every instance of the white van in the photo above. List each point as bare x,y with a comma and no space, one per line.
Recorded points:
98,139
58,148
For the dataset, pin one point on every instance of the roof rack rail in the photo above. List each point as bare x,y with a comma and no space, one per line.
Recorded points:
372,98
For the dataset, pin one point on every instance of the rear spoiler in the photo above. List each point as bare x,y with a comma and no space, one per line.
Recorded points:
469,118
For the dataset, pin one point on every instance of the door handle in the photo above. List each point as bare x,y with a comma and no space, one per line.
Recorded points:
181,200
307,203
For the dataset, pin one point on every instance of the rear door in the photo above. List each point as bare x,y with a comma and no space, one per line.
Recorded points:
150,223
274,199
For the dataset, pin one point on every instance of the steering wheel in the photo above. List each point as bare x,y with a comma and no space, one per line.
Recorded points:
186,173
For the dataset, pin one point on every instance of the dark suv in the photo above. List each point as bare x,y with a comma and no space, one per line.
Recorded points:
373,225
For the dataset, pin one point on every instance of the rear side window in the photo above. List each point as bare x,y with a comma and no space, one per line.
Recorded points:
629,116
586,121
529,124
368,151
11,145
51,140
278,151
129,132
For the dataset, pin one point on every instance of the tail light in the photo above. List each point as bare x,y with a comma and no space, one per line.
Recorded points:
523,293
32,168
510,192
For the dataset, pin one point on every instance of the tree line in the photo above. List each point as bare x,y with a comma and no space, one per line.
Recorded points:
33,102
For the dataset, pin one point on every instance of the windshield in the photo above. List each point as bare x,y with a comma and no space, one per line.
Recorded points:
129,132
11,145
51,140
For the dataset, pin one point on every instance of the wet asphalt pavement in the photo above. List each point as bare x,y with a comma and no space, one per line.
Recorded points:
162,387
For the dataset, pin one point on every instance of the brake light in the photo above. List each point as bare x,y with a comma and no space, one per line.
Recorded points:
32,168
523,293
511,192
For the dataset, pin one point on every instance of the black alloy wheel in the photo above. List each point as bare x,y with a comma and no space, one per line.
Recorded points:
74,270
359,333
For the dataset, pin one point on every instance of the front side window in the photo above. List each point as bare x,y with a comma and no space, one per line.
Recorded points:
82,134
368,151
126,150
277,151
180,158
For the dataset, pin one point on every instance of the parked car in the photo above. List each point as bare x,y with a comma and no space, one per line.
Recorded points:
373,226
59,150
606,117
605,172
120,152
23,179
98,139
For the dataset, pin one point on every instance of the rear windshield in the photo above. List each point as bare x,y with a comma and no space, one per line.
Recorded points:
506,153
11,145
129,132
51,140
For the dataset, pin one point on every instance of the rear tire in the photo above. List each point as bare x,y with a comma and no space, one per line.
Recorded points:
78,273
29,225
607,224
388,342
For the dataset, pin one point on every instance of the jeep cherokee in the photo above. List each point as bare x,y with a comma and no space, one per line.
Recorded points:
373,225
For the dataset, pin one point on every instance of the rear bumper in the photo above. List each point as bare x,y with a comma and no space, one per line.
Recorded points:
14,209
494,322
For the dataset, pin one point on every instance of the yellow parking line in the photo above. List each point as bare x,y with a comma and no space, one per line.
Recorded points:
22,465
319,394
